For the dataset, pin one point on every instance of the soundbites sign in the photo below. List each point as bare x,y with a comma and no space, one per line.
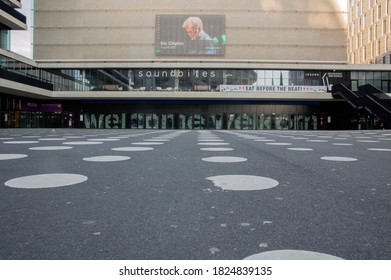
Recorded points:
241,88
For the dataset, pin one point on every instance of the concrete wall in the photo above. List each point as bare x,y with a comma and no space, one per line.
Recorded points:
294,30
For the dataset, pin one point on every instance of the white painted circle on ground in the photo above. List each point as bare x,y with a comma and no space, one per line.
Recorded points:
318,141
279,144
81,143
243,182
106,158
11,156
224,159
158,140
74,137
118,137
213,144
339,158
368,141
132,149
300,149
216,149
148,143
52,139
291,255
50,148
42,181
21,142
379,149
104,140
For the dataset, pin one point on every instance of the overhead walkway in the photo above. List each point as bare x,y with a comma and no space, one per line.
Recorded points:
367,97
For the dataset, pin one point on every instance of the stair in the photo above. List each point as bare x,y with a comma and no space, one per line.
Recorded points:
367,97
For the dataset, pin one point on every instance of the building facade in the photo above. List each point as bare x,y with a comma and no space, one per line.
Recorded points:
10,19
181,65
124,30
369,36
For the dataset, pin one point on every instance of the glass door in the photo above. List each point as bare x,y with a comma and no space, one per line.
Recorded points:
234,121
134,121
219,121
167,121
140,121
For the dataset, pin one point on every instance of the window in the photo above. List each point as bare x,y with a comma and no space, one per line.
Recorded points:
378,48
372,50
379,12
358,10
362,39
384,30
370,34
5,39
364,55
364,21
358,44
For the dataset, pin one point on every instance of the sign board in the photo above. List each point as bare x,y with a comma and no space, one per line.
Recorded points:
190,35
240,88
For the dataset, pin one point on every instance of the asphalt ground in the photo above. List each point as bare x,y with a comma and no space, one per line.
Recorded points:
320,193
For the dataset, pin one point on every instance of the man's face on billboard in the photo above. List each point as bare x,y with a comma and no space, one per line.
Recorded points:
192,31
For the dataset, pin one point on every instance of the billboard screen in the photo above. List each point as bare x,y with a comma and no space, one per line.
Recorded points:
187,35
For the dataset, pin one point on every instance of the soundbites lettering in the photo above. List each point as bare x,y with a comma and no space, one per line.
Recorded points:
176,73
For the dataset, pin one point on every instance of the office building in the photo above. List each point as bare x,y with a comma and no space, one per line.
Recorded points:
369,39
189,65
10,19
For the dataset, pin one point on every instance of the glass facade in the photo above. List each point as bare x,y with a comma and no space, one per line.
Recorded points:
210,80
381,80
176,114
5,41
